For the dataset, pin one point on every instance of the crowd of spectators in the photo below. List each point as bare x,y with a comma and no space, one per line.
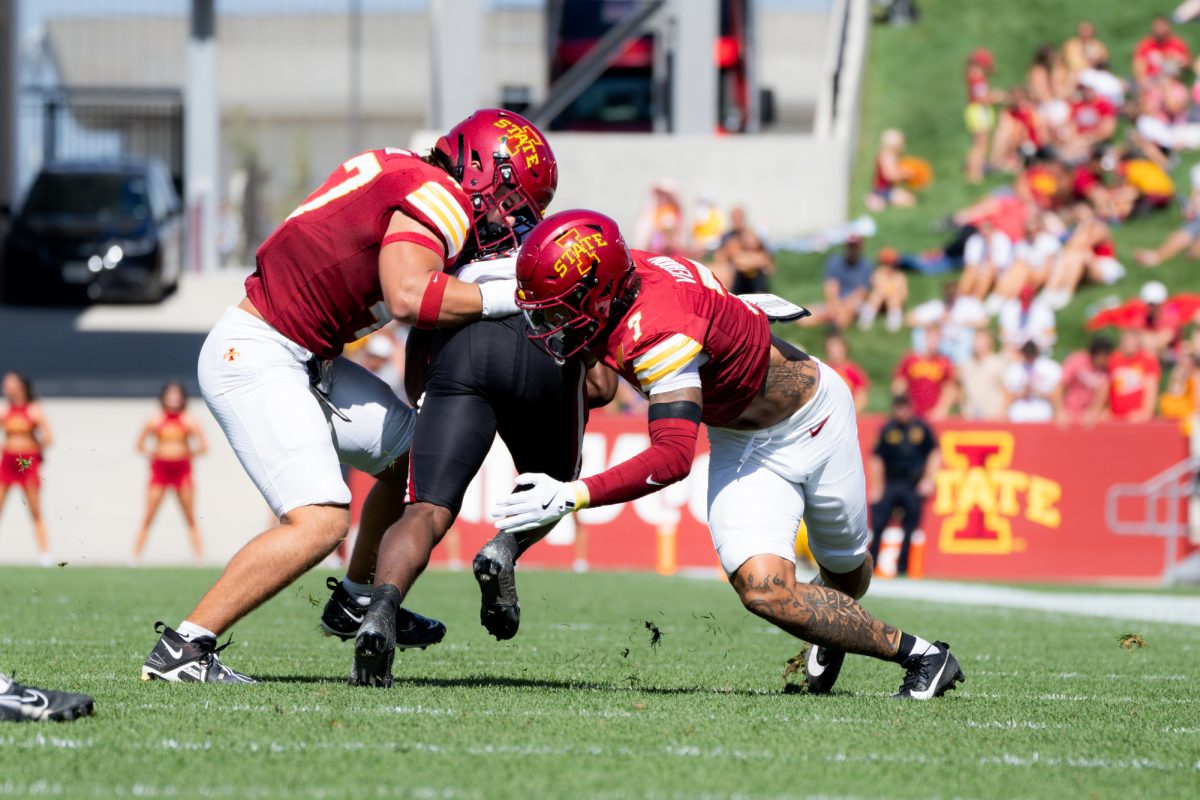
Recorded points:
956,363
1088,149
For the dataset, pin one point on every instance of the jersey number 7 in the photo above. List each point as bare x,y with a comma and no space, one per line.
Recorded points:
361,170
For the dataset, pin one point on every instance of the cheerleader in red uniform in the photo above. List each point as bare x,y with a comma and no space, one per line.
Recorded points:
26,435
175,432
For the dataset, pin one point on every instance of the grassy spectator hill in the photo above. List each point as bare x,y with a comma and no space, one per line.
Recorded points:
914,81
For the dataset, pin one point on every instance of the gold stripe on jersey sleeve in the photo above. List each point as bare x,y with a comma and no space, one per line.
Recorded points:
436,216
668,368
454,230
464,223
435,208
666,350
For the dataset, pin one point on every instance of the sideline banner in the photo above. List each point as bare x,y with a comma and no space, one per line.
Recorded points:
1013,502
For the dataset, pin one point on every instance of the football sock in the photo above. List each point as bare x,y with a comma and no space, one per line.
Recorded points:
189,631
4,683
387,599
912,646
361,592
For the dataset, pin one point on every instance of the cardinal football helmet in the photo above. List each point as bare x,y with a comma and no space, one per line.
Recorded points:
502,162
570,270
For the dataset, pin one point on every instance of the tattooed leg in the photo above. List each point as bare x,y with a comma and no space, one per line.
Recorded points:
817,614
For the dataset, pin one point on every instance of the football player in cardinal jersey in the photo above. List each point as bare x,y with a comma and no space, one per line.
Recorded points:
371,244
478,380
781,425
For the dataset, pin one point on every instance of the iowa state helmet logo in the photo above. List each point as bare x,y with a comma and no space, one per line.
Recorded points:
577,251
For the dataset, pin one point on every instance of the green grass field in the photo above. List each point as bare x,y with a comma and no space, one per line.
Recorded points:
913,81
581,705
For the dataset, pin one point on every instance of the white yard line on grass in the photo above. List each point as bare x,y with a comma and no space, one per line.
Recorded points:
1110,605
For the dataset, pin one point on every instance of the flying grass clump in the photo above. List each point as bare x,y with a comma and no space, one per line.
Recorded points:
1128,641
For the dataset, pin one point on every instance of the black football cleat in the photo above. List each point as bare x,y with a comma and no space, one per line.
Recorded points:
29,704
930,675
375,645
176,660
821,668
495,572
343,616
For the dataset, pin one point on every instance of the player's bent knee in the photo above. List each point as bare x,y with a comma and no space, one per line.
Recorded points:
430,517
325,524
763,583
854,582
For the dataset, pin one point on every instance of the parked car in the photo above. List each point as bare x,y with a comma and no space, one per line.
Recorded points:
92,230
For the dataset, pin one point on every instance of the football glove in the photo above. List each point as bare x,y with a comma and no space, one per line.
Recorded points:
538,501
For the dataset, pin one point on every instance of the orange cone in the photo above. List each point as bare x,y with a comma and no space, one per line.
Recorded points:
666,537
889,552
916,556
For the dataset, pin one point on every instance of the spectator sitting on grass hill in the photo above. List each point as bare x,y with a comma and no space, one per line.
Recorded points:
889,292
1085,382
847,282
981,378
890,174
928,378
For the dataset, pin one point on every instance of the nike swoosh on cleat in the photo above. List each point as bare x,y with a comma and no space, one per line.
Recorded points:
929,690
814,431
35,698
650,480
174,653
814,667
356,618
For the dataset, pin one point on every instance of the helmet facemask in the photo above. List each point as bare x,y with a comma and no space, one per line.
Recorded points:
495,199
560,324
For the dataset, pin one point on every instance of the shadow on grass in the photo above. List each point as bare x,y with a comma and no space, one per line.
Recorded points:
502,682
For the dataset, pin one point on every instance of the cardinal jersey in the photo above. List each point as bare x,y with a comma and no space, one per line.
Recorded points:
317,280
683,320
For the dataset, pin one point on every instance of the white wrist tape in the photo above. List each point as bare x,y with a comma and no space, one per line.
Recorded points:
499,298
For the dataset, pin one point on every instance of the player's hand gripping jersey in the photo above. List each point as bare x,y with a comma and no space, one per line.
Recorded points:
315,272
685,330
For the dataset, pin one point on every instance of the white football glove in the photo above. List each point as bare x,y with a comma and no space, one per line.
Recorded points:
499,298
539,500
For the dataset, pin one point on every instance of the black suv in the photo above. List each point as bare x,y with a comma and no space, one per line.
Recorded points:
91,230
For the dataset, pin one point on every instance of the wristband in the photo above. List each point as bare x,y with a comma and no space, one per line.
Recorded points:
499,298
431,301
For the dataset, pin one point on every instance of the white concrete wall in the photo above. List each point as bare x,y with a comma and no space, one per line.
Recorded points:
791,184
94,482
793,47
94,485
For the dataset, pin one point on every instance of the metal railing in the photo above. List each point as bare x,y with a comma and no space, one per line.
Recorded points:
1163,498
99,122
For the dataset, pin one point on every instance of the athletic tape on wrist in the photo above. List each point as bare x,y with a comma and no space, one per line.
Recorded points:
431,301
582,497
499,292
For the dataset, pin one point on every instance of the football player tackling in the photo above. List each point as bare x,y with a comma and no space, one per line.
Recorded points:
373,243
478,381
781,425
